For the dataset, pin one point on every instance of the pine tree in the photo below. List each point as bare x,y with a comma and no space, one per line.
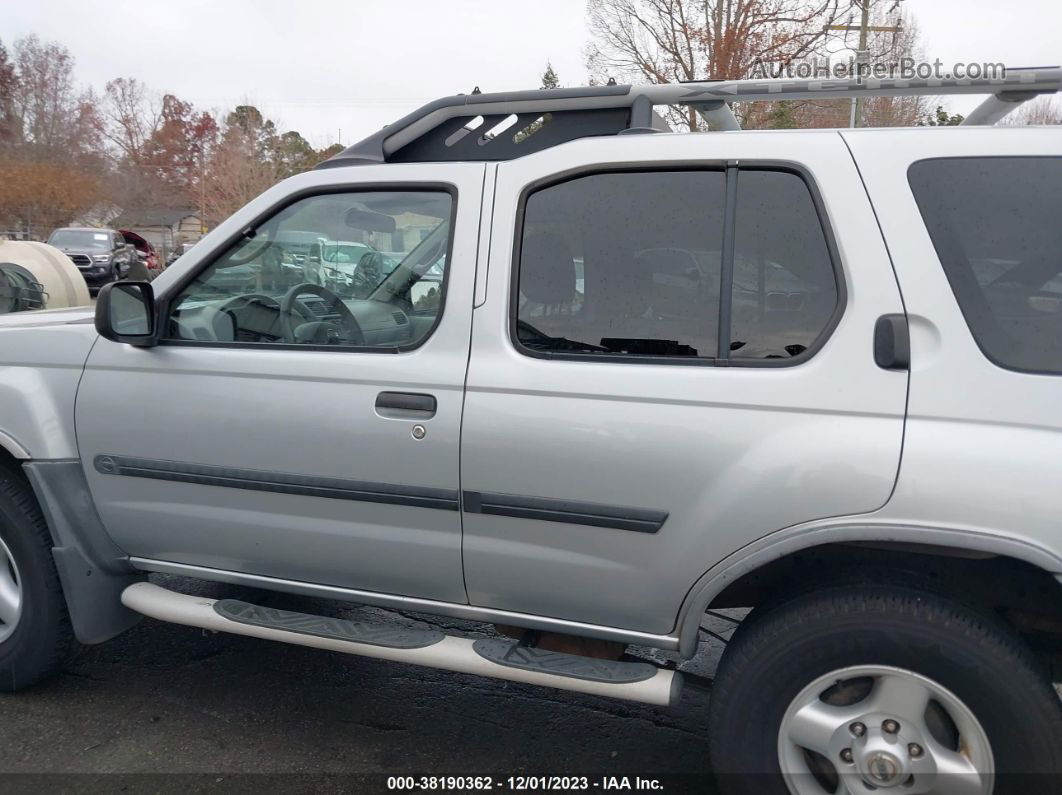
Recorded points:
941,119
549,77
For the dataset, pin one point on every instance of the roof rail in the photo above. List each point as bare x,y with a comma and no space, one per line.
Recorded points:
481,127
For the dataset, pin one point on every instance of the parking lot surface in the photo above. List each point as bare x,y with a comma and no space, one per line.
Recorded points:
170,699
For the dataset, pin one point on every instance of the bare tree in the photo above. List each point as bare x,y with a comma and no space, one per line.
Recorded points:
50,165
242,165
673,40
130,115
664,41
1043,110
7,91
45,99
885,49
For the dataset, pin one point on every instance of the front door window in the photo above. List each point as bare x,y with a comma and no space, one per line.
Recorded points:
363,270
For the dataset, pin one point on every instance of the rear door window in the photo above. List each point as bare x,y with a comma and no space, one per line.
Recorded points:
611,264
996,225
630,265
785,290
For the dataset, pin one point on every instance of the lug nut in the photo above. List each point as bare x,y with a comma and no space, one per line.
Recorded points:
846,755
858,729
890,727
915,750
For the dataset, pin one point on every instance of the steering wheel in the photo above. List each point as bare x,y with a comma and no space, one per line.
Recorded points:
313,330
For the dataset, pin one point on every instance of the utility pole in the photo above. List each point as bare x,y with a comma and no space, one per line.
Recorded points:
862,57
202,192
862,54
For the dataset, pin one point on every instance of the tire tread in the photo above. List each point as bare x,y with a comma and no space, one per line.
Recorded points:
15,488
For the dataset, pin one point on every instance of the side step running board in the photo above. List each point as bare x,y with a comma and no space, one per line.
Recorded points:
500,659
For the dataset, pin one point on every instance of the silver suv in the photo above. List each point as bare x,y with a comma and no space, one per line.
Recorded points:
812,373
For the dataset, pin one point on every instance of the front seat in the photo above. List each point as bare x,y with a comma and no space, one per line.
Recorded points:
547,282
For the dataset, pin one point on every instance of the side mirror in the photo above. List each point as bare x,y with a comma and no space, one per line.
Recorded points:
125,312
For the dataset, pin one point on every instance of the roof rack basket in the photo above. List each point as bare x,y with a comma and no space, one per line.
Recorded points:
481,127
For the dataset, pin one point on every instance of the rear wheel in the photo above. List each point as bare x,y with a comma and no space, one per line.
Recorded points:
35,632
859,689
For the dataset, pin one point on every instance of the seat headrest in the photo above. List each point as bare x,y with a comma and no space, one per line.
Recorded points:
547,269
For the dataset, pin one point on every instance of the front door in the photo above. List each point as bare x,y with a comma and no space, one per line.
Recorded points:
674,359
300,419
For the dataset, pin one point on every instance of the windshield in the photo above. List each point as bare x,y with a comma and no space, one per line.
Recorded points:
80,238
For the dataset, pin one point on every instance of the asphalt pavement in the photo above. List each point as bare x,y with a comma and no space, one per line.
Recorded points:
169,699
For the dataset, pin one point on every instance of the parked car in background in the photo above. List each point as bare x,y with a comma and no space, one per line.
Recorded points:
269,271
145,252
177,253
101,255
351,269
297,244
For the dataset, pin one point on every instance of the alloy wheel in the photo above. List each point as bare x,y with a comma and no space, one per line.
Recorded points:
866,729
10,593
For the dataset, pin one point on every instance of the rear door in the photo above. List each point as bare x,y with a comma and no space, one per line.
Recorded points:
673,359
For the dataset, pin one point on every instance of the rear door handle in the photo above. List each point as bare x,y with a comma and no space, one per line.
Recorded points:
401,405
892,343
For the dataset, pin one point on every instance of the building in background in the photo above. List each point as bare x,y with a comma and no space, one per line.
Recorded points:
165,229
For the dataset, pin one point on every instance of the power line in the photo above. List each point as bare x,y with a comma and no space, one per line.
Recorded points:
862,54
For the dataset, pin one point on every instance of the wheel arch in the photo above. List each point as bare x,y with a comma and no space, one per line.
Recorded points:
14,450
770,565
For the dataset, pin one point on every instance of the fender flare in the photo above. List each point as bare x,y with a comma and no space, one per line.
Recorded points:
93,570
795,539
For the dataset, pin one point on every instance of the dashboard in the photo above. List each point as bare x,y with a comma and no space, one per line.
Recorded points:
256,318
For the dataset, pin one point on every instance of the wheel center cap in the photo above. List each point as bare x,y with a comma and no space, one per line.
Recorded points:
883,769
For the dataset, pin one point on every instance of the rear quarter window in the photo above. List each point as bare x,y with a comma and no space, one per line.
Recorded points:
996,225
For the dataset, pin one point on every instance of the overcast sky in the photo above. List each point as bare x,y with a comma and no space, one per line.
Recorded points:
321,66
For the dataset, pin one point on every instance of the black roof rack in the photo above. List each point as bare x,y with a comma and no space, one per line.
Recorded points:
480,127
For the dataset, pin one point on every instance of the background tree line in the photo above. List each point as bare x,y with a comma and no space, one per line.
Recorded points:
664,41
66,151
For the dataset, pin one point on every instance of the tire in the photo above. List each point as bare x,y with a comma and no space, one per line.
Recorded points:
905,637
41,639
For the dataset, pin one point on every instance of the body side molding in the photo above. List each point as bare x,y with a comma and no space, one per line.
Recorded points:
617,517
278,482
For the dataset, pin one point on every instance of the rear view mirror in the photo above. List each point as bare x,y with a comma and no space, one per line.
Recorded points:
125,312
369,221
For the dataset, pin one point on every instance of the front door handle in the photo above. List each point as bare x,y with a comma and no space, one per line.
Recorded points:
405,405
